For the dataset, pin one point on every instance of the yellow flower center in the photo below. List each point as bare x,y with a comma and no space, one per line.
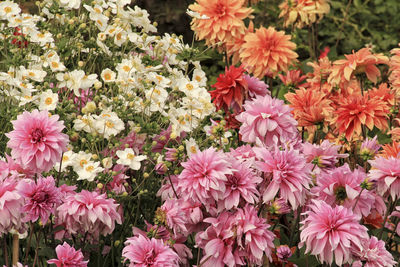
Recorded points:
7,9
189,86
89,168
198,78
54,64
40,35
107,76
130,156
193,149
159,78
48,101
109,124
83,162
65,158
126,68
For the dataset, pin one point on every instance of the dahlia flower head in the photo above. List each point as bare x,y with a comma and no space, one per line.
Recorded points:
385,172
267,50
324,155
36,142
67,256
89,212
268,120
331,232
203,177
287,172
144,252
10,168
11,202
41,198
369,148
220,21
173,215
256,86
373,254
341,186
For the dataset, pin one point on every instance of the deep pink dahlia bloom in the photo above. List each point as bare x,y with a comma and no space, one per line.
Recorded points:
175,216
10,204
328,232
386,174
41,198
268,120
373,254
37,141
10,168
252,234
203,177
241,186
288,174
283,253
89,212
144,252
67,256
341,186
256,86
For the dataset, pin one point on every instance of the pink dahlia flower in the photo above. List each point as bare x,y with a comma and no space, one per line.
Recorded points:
67,256
37,141
89,212
144,252
41,198
256,86
386,174
369,148
203,177
267,119
283,253
241,186
172,215
10,204
373,254
324,155
341,186
328,232
396,213
10,168
252,234
288,174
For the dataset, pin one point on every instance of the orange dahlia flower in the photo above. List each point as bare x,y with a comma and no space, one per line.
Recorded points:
394,67
356,110
303,12
223,20
390,150
234,45
362,61
383,92
310,107
267,50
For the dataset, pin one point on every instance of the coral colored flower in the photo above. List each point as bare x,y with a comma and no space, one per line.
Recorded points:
231,90
252,234
144,252
203,177
362,61
89,212
324,155
222,20
354,111
241,186
331,231
373,254
386,173
394,68
267,50
303,13
36,141
390,150
67,256
41,198
11,202
267,119
287,172
292,78
256,86
234,44
341,186
384,93
310,107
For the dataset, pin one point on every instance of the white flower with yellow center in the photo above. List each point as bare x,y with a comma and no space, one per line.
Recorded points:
26,98
157,97
108,75
48,100
120,37
191,147
190,88
158,79
200,77
8,9
40,37
108,124
67,160
125,69
80,160
127,157
89,171
34,74
70,4
85,123
56,65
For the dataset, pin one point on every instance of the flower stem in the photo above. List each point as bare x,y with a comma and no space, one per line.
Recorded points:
15,249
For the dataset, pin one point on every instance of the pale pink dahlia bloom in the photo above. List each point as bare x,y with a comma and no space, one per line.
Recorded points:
373,254
203,177
10,204
173,215
37,141
10,168
328,232
324,155
256,86
144,252
67,256
341,186
386,174
89,212
252,234
267,119
241,186
41,198
287,172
